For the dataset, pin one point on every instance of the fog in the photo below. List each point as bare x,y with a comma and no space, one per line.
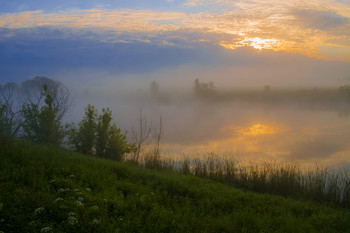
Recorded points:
306,124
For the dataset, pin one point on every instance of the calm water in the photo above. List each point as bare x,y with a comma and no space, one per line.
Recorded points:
305,134
255,132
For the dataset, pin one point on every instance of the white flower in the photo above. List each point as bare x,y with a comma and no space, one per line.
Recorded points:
58,199
61,190
79,203
72,220
72,176
88,189
72,214
32,223
95,221
46,229
39,210
76,190
80,199
51,181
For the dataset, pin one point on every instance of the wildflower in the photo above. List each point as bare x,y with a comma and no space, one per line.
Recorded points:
67,190
80,199
61,190
72,176
88,189
58,199
120,218
79,203
32,223
105,200
72,214
39,210
76,190
72,220
52,181
95,221
95,207
46,229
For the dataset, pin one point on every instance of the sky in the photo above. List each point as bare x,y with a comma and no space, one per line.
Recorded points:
235,43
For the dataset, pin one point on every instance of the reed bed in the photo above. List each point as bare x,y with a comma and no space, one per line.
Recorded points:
287,179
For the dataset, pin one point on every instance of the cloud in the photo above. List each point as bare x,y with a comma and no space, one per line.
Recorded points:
323,20
295,27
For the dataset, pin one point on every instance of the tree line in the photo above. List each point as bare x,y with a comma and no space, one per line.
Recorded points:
34,110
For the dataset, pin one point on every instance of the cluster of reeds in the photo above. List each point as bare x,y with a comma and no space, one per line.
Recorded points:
286,179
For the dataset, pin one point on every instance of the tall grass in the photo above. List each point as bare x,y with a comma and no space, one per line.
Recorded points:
287,179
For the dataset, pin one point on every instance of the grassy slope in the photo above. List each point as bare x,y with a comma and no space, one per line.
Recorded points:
82,194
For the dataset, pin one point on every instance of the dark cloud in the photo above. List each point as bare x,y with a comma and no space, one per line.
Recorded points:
322,20
29,52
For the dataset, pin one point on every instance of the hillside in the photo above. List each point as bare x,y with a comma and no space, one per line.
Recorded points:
47,189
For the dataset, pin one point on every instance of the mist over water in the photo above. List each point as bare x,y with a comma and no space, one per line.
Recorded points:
239,125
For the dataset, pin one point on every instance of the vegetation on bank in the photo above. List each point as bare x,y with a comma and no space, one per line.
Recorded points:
47,189
285,179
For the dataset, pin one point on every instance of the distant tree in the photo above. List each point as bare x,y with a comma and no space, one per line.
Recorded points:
154,88
345,91
204,89
41,124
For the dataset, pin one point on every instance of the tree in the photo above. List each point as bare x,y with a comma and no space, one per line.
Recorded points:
84,138
154,88
204,89
97,136
14,97
11,107
103,127
158,133
32,93
41,124
117,144
142,135
4,126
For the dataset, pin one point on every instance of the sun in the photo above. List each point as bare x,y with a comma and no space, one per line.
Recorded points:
256,42
260,44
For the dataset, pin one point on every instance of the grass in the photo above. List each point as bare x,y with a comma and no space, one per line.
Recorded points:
286,179
47,189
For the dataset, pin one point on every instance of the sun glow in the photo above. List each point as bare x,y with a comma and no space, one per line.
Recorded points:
256,43
254,130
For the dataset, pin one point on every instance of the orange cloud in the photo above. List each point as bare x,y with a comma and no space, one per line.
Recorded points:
317,28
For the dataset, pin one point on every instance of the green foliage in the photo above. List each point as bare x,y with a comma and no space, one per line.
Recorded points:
5,126
84,138
46,189
97,136
41,125
103,127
